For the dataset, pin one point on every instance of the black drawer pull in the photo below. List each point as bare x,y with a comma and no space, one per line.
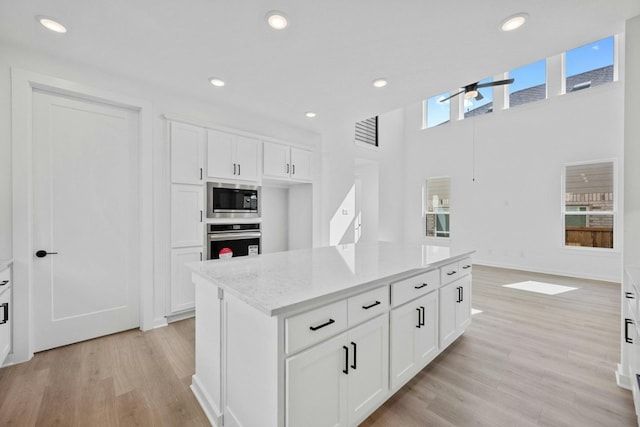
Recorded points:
5,316
4,282
627,322
367,307
315,328
419,318
628,295
346,360
355,348
464,267
421,286
422,311
451,273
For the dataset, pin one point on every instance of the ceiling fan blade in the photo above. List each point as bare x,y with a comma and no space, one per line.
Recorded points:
497,83
479,97
451,96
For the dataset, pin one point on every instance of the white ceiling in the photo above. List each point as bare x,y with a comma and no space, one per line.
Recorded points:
324,61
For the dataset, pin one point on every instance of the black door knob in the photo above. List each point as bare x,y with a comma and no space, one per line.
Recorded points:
41,253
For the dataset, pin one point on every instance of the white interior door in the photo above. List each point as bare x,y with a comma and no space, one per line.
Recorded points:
86,214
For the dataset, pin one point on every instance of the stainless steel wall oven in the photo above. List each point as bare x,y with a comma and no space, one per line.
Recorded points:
232,240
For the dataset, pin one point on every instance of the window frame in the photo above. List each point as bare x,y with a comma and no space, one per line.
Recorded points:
426,213
614,212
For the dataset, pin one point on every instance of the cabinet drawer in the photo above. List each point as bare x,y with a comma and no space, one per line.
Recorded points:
464,267
413,287
449,273
313,326
367,305
5,280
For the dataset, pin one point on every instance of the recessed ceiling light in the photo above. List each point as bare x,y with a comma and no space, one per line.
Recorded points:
216,82
514,22
52,25
380,82
277,20
310,114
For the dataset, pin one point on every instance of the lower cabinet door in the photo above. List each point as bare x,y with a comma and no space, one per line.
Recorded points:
427,335
463,309
368,377
447,306
5,324
316,390
183,293
413,337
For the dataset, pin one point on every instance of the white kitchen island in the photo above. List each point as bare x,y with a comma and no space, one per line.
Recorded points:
323,336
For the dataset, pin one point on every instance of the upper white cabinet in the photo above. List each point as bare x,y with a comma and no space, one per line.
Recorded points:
232,156
285,162
187,153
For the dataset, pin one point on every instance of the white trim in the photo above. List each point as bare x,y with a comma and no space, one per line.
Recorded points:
22,85
527,268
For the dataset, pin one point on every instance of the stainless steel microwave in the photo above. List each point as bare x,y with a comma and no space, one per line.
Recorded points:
232,200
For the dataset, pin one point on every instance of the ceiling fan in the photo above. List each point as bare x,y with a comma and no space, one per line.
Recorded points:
471,91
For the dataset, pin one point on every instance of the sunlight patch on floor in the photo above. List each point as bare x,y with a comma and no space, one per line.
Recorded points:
540,287
475,311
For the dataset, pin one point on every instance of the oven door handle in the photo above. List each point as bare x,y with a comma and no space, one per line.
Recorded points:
216,237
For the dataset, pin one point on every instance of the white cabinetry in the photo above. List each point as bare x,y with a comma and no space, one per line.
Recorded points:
232,157
631,330
413,337
285,162
187,144
187,153
340,381
187,213
182,288
5,314
455,302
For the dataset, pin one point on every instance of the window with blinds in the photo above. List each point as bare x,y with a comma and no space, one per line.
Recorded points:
367,131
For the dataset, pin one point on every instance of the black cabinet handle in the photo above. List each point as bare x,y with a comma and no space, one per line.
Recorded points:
287,167
239,169
5,316
627,322
367,307
201,215
41,253
293,169
315,328
422,311
419,322
629,295
458,289
4,282
200,174
234,168
355,347
421,286
346,360
464,267
461,293
451,273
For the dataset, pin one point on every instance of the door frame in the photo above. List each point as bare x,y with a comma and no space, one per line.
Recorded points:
23,84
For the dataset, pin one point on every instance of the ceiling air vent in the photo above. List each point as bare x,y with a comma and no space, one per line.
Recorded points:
367,131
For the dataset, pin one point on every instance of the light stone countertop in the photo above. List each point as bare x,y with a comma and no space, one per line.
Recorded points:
279,282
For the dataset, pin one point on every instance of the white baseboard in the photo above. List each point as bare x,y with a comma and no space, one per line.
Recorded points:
622,379
211,411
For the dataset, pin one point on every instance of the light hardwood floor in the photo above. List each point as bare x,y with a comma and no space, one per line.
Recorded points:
527,359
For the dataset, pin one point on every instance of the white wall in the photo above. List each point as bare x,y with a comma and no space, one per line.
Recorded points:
511,213
632,144
275,219
339,158
163,101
